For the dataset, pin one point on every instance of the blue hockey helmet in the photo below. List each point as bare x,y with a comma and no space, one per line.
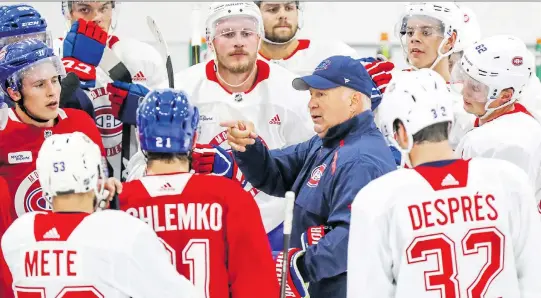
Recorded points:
22,21
27,57
167,122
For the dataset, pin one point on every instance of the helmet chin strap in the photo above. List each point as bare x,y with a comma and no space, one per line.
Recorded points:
20,103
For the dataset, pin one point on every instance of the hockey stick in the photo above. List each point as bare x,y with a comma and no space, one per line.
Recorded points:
196,37
164,50
288,222
118,71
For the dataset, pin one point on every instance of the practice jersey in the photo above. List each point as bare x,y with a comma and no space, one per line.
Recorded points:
19,147
147,68
103,254
214,234
453,228
530,97
7,216
310,53
514,137
279,112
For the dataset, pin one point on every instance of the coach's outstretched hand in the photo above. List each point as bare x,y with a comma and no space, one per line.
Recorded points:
240,133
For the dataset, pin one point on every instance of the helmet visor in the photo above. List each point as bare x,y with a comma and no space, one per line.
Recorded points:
418,26
44,36
468,87
38,72
231,28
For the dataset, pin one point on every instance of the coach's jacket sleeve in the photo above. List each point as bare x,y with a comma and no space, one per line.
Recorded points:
328,258
273,171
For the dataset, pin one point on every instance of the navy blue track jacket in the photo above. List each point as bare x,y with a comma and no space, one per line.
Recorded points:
326,175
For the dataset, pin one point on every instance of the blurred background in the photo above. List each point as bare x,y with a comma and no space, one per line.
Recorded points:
360,24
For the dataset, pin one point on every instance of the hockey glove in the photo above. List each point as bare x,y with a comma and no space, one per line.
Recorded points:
380,71
313,235
210,159
295,286
124,99
83,48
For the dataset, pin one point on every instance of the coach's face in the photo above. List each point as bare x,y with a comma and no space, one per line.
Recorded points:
40,90
331,107
236,44
280,20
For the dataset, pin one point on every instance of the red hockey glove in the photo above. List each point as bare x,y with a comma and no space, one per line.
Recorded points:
210,159
295,286
380,71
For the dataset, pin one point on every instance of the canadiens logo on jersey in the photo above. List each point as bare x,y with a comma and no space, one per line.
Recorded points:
110,128
29,196
316,175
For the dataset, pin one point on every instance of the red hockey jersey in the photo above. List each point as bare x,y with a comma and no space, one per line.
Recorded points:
212,229
19,147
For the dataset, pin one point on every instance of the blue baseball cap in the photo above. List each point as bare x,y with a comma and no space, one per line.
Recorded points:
337,71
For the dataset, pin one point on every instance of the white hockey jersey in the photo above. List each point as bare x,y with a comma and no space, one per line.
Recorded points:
454,228
279,112
104,254
310,53
515,137
531,97
147,68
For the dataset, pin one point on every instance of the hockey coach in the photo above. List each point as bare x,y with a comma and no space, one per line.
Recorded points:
325,172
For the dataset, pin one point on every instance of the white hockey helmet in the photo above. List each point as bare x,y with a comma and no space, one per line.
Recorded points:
447,14
488,67
70,163
470,33
418,99
68,5
221,10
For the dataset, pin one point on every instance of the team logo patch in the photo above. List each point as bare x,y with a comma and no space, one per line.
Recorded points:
29,196
315,176
466,18
323,65
517,61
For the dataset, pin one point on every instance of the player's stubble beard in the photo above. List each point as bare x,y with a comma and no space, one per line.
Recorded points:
270,35
241,67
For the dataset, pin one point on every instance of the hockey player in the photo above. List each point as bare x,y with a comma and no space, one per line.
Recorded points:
429,33
22,21
237,85
6,218
77,252
447,227
210,226
91,25
325,172
30,75
280,44
503,128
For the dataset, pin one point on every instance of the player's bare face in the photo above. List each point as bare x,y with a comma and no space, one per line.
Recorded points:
328,108
41,91
280,20
236,43
423,37
100,12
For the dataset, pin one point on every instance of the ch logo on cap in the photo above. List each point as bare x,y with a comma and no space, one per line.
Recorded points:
323,65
